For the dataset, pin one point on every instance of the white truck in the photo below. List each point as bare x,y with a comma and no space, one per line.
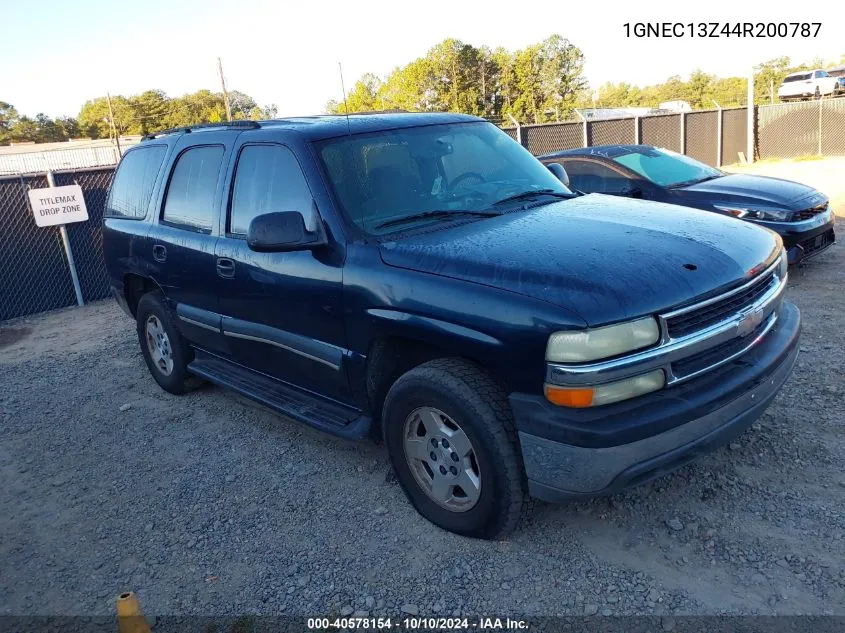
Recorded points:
808,84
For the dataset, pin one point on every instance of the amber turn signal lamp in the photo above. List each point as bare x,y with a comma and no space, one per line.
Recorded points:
567,397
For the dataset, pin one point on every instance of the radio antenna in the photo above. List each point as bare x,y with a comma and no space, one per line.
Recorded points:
345,104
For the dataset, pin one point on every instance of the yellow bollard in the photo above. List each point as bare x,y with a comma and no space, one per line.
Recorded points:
129,616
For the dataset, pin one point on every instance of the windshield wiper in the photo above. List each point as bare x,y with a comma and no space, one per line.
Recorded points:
532,194
694,181
433,214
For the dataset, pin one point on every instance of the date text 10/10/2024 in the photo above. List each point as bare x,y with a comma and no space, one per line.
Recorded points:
416,623
721,29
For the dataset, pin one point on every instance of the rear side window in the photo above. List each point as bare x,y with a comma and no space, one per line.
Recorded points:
268,179
190,195
134,182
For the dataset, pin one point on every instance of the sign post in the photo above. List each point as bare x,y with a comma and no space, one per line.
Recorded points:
58,206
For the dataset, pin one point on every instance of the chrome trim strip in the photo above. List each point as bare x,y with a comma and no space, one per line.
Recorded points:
769,325
198,324
727,295
258,339
669,350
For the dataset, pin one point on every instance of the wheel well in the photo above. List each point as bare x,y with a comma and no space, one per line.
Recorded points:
135,287
391,357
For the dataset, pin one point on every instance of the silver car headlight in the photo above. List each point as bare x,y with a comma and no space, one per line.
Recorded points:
603,342
783,264
773,215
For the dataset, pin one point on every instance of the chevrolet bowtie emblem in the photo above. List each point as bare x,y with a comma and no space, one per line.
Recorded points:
749,322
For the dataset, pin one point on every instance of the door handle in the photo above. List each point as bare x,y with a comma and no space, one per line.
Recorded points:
159,253
225,267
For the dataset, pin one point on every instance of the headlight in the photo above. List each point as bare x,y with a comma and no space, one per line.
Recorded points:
602,342
775,215
580,397
783,264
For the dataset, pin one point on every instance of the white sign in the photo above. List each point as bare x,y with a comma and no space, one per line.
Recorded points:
58,205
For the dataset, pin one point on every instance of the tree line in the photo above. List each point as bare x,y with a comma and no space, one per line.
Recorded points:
704,91
539,83
542,82
149,111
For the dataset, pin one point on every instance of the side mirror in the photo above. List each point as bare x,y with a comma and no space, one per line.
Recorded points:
282,232
559,172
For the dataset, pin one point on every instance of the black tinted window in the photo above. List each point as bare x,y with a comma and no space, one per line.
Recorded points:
134,182
190,196
268,179
591,177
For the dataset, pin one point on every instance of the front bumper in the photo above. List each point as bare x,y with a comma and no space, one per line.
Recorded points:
806,238
570,453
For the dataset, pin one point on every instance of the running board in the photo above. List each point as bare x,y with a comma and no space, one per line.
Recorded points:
324,415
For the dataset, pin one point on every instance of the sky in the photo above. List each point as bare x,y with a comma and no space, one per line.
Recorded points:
55,57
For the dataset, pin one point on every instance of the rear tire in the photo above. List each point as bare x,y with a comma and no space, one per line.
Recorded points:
454,447
165,351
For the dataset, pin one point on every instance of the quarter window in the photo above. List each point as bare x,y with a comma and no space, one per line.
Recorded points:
268,179
190,196
134,182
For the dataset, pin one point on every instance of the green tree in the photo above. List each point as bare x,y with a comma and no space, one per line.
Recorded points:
619,95
150,110
365,96
539,83
95,120
561,76
8,117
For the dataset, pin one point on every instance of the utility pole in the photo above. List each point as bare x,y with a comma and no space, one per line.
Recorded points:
225,93
113,126
749,149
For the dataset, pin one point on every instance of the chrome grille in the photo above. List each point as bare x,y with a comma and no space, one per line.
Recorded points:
686,323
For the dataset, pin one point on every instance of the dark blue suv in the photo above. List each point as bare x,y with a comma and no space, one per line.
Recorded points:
424,279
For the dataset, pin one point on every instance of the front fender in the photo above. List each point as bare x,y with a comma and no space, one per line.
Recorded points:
431,330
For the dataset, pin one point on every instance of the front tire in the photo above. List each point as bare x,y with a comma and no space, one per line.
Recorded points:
165,351
453,445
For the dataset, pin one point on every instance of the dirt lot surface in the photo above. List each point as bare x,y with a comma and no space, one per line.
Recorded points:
209,504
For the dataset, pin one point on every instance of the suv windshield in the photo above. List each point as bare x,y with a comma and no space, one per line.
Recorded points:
431,173
667,168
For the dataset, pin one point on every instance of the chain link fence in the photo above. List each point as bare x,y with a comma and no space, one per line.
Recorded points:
696,134
715,137
662,130
734,135
701,136
789,130
34,274
552,137
612,132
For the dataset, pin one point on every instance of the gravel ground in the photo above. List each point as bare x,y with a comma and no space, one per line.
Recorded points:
208,504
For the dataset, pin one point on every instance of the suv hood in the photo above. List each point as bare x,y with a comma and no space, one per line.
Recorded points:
603,257
749,188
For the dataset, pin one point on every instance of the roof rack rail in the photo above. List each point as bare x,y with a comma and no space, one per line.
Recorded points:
247,124
396,111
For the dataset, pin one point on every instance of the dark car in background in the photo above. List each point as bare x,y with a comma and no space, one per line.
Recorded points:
801,215
423,278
